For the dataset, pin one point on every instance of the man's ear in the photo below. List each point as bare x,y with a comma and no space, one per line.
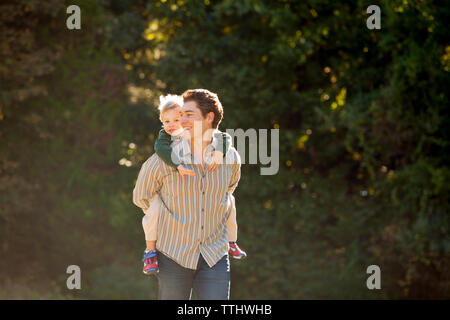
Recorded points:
210,117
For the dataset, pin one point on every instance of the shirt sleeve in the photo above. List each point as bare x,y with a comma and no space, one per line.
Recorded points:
236,174
164,150
222,141
148,183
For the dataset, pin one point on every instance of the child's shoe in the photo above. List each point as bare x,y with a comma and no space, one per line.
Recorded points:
236,252
150,262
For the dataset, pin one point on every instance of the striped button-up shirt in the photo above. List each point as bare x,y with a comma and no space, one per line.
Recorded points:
194,211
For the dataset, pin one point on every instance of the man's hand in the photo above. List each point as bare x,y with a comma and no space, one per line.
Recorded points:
185,172
216,160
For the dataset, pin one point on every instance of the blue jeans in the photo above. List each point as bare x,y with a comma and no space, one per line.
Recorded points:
176,282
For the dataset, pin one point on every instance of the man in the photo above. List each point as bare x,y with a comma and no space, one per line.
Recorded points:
192,239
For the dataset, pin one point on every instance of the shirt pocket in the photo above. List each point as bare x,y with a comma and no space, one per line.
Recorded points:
170,197
169,200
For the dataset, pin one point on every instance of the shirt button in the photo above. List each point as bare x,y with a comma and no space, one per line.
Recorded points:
202,227
203,210
203,192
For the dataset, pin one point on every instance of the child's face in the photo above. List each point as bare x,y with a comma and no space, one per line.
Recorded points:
171,120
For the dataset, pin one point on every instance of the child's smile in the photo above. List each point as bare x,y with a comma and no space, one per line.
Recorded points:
171,121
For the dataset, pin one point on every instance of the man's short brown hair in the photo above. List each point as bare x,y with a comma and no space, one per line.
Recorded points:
207,101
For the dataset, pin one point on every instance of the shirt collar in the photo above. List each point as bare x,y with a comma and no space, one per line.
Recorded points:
184,149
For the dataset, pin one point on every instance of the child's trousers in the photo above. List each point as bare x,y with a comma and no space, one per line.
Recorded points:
150,220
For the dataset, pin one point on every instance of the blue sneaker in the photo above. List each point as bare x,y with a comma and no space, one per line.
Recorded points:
150,262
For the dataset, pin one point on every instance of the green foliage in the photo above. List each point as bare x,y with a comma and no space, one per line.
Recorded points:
65,198
364,141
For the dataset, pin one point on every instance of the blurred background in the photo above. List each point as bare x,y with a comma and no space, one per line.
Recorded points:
364,141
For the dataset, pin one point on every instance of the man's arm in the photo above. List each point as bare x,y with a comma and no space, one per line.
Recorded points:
148,183
236,175
164,150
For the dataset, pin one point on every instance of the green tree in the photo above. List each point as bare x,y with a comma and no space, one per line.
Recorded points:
363,136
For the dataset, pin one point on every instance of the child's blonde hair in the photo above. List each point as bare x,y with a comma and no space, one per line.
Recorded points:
169,102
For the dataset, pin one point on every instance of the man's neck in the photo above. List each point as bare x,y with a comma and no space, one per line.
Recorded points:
198,145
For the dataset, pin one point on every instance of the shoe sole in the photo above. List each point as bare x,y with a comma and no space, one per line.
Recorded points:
149,273
237,258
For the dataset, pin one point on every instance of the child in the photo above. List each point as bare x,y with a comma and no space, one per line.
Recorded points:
170,117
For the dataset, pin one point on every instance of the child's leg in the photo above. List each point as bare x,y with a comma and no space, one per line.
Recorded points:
234,250
150,223
231,222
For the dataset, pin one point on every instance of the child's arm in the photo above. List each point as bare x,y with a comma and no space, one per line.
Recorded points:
221,145
222,142
164,151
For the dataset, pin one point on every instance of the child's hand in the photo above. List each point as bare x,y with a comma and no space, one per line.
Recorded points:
185,172
216,160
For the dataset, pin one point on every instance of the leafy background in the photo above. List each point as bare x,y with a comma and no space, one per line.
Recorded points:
364,141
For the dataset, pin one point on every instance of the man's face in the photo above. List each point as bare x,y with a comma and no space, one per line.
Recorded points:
191,117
